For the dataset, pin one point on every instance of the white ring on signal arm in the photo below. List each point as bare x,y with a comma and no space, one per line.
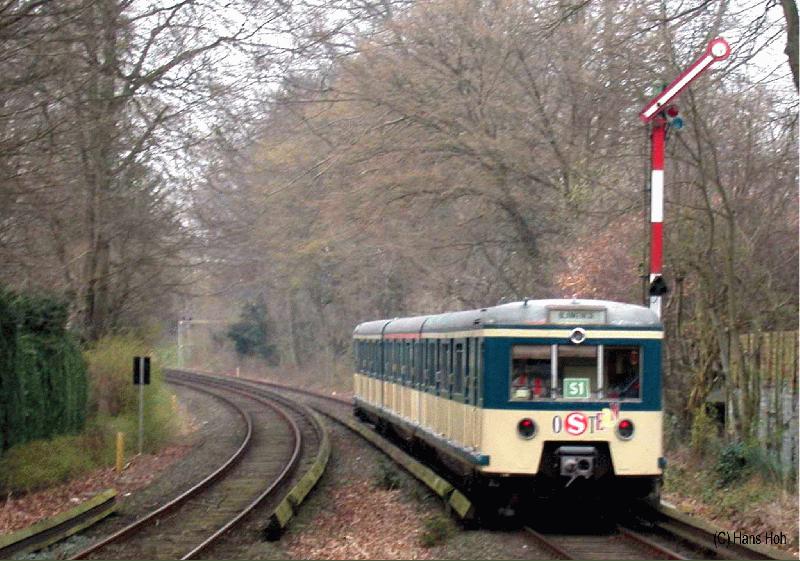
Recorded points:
578,335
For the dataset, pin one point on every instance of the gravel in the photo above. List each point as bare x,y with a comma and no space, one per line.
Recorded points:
352,515
218,432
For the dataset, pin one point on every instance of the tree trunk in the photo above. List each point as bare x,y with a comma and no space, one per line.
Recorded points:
790,13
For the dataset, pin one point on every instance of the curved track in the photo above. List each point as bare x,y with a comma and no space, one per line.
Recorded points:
663,536
190,523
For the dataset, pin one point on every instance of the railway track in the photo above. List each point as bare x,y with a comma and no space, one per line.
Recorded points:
619,543
698,538
663,534
253,476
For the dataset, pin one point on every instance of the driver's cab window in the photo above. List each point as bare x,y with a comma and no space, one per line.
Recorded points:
531,372
622,370
577,372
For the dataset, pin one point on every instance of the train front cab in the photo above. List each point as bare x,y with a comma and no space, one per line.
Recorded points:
576,410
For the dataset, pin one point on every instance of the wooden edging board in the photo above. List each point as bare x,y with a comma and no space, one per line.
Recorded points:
60,526
452,497
291,502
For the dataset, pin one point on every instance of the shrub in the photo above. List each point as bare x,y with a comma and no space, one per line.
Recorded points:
42,463
115,400
42,374
437,529
732,463
252,334
704,439
739,460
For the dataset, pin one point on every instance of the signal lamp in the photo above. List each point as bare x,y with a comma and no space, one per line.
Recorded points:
673,120
526,428
625,429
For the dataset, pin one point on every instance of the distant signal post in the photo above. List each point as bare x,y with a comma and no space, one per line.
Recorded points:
660,115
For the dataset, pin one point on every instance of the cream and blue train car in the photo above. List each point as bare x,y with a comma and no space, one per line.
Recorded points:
527,399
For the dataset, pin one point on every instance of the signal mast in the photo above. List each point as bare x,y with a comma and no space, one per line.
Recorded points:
660,115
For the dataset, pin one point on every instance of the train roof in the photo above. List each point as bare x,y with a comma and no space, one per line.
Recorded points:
528,312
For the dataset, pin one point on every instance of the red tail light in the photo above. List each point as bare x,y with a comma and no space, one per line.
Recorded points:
526,428
625,429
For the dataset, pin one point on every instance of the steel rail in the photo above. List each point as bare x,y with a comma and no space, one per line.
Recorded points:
549,544
287,470
649,544
183,497
674,527
704,539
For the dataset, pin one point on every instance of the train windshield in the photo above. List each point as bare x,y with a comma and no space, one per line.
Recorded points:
569,372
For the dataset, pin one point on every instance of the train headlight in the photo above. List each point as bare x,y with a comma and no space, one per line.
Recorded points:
526,428
578,336
625,429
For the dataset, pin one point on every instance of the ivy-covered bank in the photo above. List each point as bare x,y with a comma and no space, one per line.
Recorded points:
43,381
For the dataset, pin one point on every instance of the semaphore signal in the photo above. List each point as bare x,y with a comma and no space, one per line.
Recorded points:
660,114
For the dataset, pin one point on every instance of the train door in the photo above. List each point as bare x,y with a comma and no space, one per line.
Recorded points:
430,383
480,377
458,412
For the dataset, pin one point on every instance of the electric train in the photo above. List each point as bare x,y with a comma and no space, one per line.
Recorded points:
523,400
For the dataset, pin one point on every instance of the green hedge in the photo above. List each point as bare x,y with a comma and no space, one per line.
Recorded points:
43,387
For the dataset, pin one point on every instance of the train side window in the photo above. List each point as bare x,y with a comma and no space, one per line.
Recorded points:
480,374
401,351
411,362
444,366
458,369
415,355
467,370
531,376
418,351
407,361
397,351
430,376
387,360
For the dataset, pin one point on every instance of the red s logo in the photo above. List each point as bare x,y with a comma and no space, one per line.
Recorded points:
576,423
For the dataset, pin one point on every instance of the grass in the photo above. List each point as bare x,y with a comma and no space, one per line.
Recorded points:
387,476
42,463
436,530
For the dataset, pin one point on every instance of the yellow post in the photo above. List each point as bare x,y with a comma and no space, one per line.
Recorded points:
175,404
120,451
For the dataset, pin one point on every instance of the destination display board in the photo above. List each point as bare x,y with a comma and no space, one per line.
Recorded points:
576,316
